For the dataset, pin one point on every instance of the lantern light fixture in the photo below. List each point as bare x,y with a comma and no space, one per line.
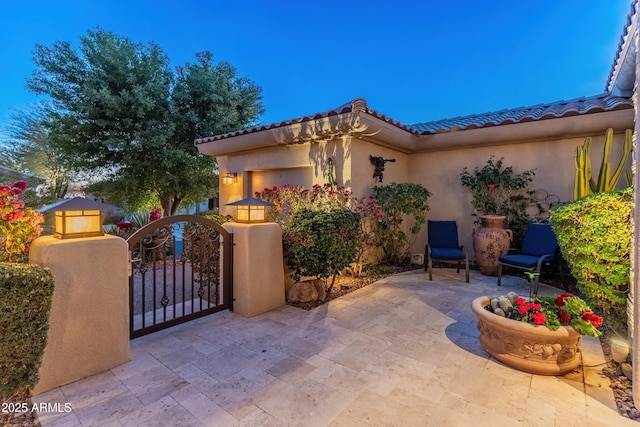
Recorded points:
78,217
251,210
230,178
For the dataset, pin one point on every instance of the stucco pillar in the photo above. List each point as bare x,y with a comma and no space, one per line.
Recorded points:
632,307
89,320
258,276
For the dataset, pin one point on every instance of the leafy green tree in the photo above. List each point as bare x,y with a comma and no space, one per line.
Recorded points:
29,150
121,111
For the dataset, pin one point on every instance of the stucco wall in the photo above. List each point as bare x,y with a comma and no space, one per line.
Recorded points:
435,161
362,181
89,320
299,164
553,161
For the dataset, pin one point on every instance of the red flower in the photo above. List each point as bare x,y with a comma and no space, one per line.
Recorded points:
155,214
524,308
124,225
539,318
564,316
592,318
520,300
492,187
4,190
535,306
560,299
13,216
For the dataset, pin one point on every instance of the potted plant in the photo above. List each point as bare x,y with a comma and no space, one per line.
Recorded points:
540,335
498,195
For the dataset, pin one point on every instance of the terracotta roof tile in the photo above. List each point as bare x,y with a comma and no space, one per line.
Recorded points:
578,106
574,107
625,33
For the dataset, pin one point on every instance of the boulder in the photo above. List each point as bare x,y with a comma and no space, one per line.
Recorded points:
302,292
320,288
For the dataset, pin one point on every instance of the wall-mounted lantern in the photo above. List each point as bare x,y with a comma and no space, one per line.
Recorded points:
230,178
251,209
77,217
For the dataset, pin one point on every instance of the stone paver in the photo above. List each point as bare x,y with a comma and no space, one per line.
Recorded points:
401,352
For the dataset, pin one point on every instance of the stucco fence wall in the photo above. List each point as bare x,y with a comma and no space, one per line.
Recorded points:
89,319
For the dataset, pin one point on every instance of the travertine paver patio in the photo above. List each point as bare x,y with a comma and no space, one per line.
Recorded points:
403,351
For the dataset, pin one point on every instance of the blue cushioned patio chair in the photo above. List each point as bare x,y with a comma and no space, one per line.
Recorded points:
443,246
539,247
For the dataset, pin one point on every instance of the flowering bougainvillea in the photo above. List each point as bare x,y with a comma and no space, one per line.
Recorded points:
550,311
19,226
291,198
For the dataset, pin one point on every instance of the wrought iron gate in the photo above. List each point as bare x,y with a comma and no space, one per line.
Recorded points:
181,268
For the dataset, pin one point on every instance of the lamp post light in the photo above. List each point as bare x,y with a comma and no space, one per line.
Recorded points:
251,210
619,350
77,217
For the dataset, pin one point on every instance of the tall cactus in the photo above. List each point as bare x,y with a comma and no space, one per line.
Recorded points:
584,183
583,171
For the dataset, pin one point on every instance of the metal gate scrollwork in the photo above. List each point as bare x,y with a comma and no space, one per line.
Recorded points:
181,269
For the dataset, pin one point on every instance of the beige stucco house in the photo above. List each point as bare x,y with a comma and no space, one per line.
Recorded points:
541,137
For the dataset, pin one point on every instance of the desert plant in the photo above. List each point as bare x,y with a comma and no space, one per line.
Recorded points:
399,203
594,234
25,300
584,183
321,243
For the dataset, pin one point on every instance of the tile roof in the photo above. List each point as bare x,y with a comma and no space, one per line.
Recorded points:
574,107
623,37
553,110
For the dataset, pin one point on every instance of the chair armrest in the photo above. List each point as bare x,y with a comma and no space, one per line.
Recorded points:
542,259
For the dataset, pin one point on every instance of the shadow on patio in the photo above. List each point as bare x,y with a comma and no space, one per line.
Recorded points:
402,351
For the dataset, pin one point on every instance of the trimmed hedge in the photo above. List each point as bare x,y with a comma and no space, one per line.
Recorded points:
320,243
594,234
25,301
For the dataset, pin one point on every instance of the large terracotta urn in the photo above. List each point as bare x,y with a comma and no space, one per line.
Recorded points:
489,242
525,346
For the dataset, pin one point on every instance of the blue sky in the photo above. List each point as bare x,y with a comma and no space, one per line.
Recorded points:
414,61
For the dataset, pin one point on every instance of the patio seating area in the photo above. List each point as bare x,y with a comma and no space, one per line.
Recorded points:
402,351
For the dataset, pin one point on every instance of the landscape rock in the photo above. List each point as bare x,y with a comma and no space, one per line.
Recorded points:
320,288
627,370
302,292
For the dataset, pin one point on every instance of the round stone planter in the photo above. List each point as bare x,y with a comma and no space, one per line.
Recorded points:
489,242
527,347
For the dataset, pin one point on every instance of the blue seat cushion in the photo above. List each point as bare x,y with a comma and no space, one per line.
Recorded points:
520,260
447,253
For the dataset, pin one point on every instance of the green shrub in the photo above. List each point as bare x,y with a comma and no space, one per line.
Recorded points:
25,300
321,243
498,190
594,234
215,215
399,203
